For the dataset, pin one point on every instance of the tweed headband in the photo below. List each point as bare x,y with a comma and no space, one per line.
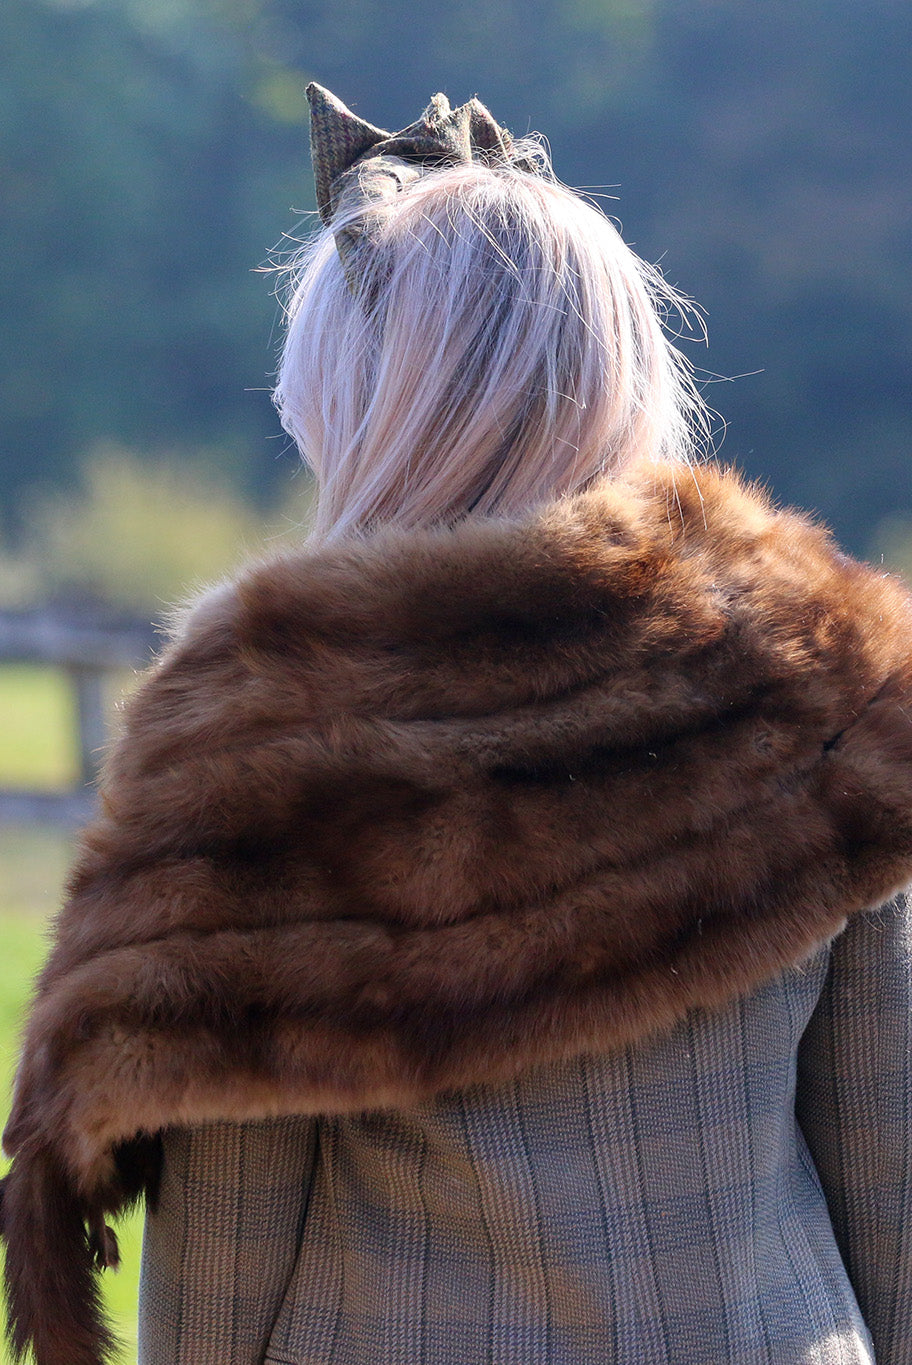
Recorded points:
355,161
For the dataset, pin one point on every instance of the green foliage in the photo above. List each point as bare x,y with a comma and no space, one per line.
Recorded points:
891,544
142,533
153,150
132,163
19,578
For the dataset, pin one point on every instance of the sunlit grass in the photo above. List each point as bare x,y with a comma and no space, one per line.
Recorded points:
38,744
37,728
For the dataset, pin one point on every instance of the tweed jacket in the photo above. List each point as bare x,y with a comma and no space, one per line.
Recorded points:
738,1192
469,902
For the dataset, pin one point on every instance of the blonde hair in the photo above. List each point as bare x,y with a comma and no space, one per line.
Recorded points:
505,347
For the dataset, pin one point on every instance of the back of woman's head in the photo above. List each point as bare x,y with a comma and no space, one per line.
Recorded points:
503,346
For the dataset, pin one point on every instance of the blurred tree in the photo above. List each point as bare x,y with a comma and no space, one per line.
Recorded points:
144,534
789,209
20,578
891,544
152,150
134,214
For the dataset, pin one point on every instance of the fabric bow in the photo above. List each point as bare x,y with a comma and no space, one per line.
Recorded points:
354,158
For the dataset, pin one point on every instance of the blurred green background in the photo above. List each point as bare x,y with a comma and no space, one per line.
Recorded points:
153,165
154,152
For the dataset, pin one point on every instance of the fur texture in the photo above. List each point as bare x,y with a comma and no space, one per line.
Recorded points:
433,807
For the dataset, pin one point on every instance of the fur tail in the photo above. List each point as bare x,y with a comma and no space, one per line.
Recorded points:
52,1291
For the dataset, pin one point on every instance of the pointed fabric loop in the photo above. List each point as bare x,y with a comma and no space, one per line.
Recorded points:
337,139
341,142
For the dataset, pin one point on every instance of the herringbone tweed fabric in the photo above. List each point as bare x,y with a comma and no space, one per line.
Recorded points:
737,1192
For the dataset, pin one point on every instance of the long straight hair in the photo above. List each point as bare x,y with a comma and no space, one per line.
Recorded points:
504,348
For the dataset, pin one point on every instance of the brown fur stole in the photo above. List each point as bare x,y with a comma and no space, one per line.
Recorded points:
429,808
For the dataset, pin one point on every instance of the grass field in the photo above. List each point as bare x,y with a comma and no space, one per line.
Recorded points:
37,734
37,749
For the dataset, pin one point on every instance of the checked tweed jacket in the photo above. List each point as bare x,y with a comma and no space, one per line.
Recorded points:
662,1205
493,947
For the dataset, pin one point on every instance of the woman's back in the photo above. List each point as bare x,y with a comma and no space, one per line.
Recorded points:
468,862
658,1204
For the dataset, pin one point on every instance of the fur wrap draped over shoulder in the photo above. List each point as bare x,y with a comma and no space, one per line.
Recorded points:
428,808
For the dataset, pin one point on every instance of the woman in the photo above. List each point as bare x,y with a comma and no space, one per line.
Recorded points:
492,946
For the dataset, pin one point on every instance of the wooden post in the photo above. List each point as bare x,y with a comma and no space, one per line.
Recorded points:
88,684
88,644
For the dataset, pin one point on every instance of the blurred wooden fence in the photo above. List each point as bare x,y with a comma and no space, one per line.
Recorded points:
88,645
